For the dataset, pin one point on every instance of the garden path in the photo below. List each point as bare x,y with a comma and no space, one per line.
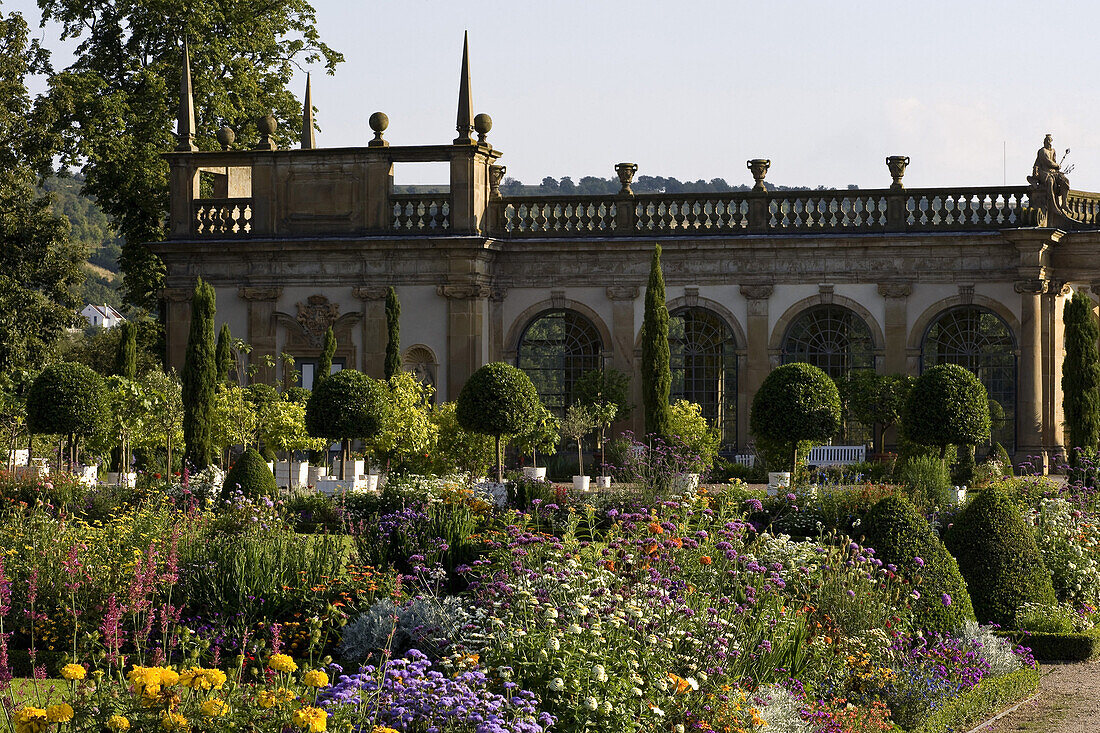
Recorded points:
1068,702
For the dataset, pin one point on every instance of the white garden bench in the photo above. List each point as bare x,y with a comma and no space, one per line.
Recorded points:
745,459
836,455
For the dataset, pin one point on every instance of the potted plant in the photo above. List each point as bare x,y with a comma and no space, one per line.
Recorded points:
576,424
543,436
695,440
603,414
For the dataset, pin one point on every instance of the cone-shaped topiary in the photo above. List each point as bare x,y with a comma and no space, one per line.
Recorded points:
251,475
999,558
902,537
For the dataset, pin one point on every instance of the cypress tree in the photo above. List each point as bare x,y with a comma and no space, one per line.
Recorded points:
656,370
393,332
324,366
126,357
1081,377
199,375
223,354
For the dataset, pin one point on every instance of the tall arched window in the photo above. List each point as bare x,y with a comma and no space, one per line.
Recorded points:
704,366
556,348
978,339
839,341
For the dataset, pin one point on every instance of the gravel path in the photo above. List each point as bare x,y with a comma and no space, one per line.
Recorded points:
1069,702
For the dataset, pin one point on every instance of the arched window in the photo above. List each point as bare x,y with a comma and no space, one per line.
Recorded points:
557,347
837,340
979,340
704,366
421,363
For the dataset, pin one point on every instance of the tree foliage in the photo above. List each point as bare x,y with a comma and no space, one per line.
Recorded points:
796,402
324,364
126,356
408,432
199,378
692,435
163,426
947,405
251,476
393,334
605,385
543,435
458,448
347,406
498,399
656,354
223,354
115,106
1081,376
65,399
878,399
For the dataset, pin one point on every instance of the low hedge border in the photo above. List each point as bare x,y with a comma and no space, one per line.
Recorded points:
1084,647
979,703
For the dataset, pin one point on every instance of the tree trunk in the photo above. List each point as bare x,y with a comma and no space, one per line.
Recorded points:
794,462
345,451
500,463
580,458
168,450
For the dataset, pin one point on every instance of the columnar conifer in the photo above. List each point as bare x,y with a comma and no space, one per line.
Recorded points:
1081,376
656,370
223,354
199,376
324,365
126,357
393,333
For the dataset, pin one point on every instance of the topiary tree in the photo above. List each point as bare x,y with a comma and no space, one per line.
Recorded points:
251,475
577,423
999,558
324,364
66,399
200,374
656,356
498,399
393,334
296,394
1081,377
946,406
347,406
223,354
878,399
902,537
126,356
797,402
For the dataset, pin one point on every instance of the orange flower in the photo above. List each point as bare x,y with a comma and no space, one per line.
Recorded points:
609,564
652,549
655,528
705,560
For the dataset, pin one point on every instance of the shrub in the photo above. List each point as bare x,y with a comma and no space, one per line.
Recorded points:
458,448
900,535
797,402
690,431
66,399
999,558
498,399
251,475
947,406
925,480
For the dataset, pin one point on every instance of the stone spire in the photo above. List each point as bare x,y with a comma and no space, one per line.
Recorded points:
308,140
185,129
465,116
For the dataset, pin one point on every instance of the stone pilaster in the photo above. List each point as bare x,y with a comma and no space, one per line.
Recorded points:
1029,397
261,328
758,361
895,324
497,295
1053,355
622,299
177,303
465,332
373,325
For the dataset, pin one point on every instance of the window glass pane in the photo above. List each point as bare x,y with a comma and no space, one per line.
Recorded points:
556,348
704,367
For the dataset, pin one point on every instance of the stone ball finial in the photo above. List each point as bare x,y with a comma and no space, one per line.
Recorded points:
226,137
482,123
267,125
379,122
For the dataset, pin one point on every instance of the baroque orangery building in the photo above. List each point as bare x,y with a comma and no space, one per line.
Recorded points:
892,279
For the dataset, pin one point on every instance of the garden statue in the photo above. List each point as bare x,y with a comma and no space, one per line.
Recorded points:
1047,173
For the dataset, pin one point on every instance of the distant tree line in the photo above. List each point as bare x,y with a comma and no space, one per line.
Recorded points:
592,185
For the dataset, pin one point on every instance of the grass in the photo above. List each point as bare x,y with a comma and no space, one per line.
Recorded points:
24,689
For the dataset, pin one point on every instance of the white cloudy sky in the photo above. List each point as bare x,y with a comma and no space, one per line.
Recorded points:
692,89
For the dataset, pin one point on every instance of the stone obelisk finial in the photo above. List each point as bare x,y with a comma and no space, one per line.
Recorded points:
309,142
185,130
465,116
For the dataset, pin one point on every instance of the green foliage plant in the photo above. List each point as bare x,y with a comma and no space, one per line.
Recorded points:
1081,377
324,364
393,334
797,402
407,432
902,537
577,423
605,385
282,428
162,427
199,378
498,399
66,399
690,432
347,406
656,355
999,558
878,399
947,405
126,356
542,437
457,448
251,476
925,480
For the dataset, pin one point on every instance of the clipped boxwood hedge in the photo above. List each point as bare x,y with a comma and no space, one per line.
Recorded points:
251,474
982,702
1084,647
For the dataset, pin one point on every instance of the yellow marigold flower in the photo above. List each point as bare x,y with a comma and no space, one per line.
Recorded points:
31,720
173,721
282,663
198,678
214,708
59,713
383,729
271,698
168,677
313,720
315,678
73,672
118,723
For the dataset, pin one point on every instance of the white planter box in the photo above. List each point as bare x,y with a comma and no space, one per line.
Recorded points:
807,492
367,482
685,482
316,473
580,483
603,482
19,457
494,491
959,495
114,478
291,474
534,472
87,475
778,480
355,468
38,467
